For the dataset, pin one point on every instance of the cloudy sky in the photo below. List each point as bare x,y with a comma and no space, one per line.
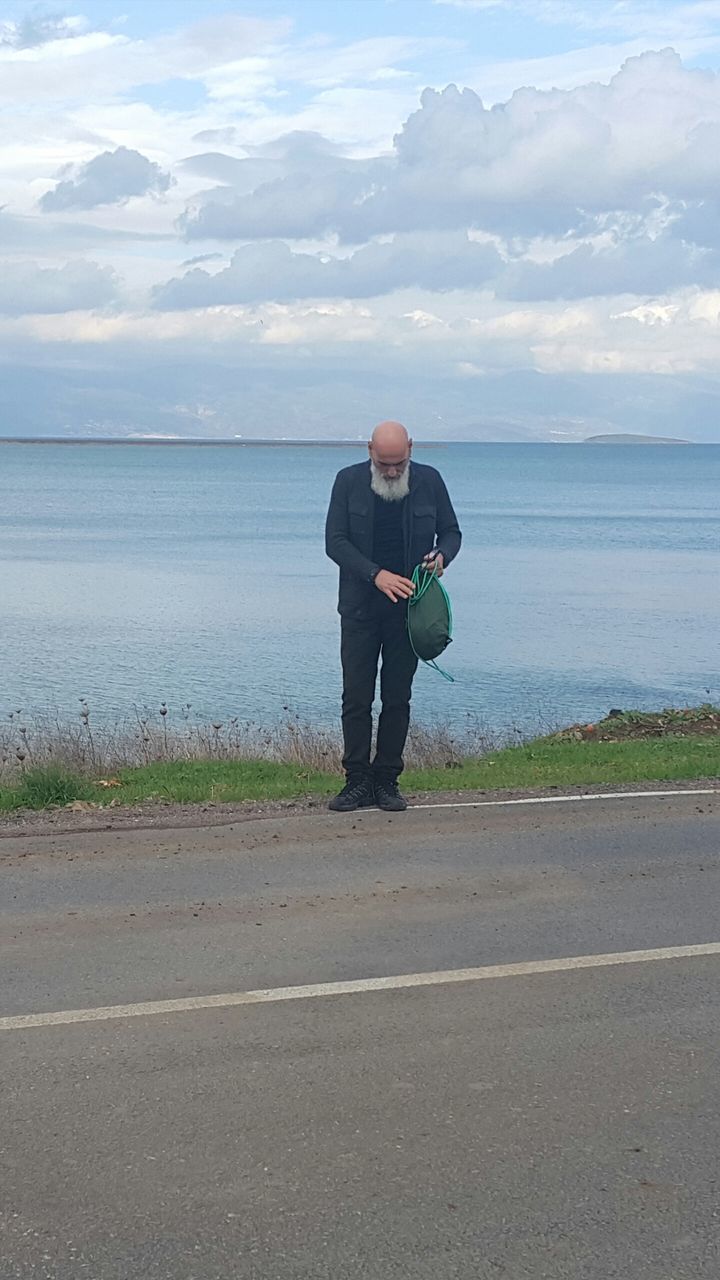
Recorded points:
493,219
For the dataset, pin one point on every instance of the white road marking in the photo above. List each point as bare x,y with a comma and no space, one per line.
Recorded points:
499,804
276,995
599,795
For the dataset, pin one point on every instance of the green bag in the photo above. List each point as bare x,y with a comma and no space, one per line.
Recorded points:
429,618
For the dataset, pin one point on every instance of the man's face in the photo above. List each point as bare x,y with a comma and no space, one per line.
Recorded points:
390,479
391,464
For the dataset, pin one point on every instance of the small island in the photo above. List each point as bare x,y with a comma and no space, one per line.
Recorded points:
620,437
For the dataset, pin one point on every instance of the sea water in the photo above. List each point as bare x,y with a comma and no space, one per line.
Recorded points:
132,575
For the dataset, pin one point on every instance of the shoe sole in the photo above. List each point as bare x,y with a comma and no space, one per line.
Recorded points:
366,804
395,806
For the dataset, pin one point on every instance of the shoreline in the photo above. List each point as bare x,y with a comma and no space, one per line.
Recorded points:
627,749
357,443
220,443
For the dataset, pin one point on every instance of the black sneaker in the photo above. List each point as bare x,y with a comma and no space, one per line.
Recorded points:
388,797
356,794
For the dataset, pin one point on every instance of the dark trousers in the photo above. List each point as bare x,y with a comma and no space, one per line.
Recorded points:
382,632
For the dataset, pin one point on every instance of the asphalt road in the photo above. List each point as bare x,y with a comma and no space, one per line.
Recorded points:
562,1124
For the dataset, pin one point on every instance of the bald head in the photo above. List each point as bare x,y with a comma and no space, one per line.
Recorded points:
391,439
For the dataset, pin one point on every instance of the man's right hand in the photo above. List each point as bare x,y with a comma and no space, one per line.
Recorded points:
393,585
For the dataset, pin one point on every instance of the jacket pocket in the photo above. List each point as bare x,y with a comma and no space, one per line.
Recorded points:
424,519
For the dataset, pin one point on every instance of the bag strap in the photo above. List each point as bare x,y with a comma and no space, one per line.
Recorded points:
430,662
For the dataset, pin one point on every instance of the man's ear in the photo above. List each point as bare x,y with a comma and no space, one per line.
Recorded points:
410,445
370,447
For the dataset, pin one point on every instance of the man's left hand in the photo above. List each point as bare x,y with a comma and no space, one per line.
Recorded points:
434,558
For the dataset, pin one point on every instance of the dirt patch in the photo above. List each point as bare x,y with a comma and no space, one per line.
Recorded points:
620,726
162,816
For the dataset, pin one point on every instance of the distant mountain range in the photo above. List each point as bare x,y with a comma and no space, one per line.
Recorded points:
213,402
620,437
254,442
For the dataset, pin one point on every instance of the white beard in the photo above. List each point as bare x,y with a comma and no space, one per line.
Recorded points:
390,490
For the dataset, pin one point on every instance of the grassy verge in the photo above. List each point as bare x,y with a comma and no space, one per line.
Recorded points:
549,764
544,762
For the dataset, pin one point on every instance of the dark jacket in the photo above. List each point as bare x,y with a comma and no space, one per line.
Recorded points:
429,523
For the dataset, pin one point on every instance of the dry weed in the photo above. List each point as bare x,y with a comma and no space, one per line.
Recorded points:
93,747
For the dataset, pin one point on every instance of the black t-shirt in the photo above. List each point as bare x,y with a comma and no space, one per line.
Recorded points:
388,540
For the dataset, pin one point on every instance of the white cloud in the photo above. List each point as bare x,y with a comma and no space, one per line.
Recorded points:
649,19
42,235
636,265
319,65
26,287
541,162
99,63
611,262
36,29
498,266
679,331
270,270
110,178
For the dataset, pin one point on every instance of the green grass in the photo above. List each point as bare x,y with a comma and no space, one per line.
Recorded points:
192,782
46,787
543,764
535,764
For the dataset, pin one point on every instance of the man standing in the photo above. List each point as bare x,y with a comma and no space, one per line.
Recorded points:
385,517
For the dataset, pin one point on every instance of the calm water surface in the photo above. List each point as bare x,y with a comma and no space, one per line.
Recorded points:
589,578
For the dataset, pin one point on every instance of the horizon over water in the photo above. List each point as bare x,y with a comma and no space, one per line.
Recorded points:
132,576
